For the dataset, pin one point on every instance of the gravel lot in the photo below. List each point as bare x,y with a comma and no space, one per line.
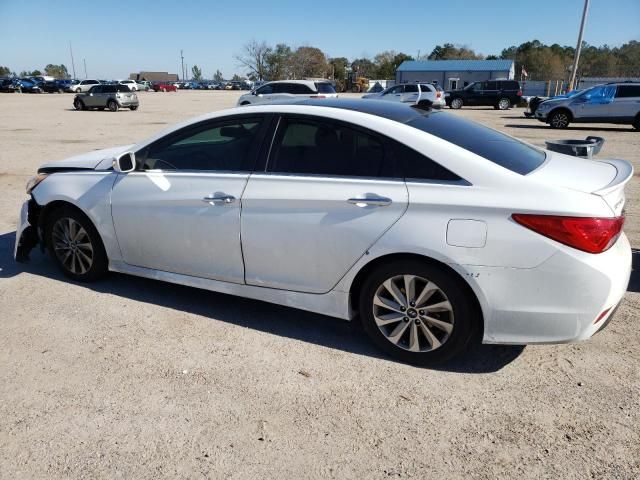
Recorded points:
132,378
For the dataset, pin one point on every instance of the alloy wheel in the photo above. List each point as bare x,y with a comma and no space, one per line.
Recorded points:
72,245
413,313
456,103
560,120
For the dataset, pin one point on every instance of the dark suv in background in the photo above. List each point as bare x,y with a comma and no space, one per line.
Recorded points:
499,94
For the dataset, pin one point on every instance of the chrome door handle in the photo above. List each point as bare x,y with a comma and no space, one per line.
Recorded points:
211,199
367,202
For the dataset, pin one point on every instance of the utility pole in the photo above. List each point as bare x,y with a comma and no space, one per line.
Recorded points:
182,62
73,65
579,46
85,68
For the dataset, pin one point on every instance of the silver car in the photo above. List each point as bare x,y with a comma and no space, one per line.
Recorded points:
411,93
112,97
288,90
611,103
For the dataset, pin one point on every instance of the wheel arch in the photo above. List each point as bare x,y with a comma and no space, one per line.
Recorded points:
46,210
563,109
356,285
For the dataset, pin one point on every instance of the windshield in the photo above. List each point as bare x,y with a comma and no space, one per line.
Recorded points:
496,147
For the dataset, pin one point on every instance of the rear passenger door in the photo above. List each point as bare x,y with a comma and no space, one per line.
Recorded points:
626,103
329,191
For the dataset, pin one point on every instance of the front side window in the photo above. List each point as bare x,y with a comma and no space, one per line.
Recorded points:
219,146
411,89
598,95
395,90
96,89
310,147
264,90
491,86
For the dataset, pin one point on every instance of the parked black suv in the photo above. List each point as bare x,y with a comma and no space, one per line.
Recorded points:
499,94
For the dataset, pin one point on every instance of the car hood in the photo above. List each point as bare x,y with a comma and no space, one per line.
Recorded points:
98,159
552,102
372,95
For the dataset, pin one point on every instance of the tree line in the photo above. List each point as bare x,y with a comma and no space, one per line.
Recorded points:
261,61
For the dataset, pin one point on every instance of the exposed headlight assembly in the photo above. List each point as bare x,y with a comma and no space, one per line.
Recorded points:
34,181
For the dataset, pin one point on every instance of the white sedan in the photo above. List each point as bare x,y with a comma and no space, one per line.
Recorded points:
426,226
411,93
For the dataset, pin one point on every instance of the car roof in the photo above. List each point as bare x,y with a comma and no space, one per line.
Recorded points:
309,83
397,112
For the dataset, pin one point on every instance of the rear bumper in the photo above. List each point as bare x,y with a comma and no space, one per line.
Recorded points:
128,103
560,301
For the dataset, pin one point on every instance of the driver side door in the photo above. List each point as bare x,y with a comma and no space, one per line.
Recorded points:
179,211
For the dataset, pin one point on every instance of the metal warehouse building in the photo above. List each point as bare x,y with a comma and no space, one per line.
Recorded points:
452,74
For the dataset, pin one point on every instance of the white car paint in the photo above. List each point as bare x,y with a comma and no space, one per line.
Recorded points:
286,90
132,84
400,93
84,86
297,242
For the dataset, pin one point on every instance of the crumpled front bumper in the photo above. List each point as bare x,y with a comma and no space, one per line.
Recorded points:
27,231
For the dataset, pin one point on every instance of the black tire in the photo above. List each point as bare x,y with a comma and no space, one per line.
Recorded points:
79,104
456,103
559,119
101,109
503,103
463,315
98,265
112,106
636,123
133,108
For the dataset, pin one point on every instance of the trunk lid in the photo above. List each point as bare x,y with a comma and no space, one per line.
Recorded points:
605,178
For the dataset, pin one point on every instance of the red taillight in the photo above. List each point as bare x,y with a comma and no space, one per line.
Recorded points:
592,235
519,93
602,315
438,94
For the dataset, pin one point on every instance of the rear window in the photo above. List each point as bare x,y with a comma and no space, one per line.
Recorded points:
496,147
325,88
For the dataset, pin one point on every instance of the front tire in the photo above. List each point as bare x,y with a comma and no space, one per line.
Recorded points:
559,119
457,103
504,104
78,104
417,312
75,245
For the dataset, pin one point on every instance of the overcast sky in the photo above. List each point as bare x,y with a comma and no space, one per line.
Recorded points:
117,38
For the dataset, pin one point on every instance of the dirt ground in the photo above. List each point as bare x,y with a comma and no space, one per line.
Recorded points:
132,378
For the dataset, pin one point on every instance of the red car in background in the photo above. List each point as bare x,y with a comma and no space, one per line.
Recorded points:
164,87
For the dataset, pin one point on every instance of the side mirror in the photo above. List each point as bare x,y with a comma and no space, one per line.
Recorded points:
125,162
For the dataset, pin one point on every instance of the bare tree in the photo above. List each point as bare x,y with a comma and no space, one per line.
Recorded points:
254,57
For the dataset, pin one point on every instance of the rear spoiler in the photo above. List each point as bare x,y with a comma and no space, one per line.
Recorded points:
625,172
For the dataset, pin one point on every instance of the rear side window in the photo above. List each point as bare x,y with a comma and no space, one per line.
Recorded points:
310,147
323,87
427,88
496,147
626,91
298,89
416,166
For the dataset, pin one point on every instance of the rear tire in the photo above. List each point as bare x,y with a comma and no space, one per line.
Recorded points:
429,324
112,106
75,244
78,90
134,108
636,123
559,119
457,103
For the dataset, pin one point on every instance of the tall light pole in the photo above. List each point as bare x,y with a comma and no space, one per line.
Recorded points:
182,62
579,46
73,65
85,68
